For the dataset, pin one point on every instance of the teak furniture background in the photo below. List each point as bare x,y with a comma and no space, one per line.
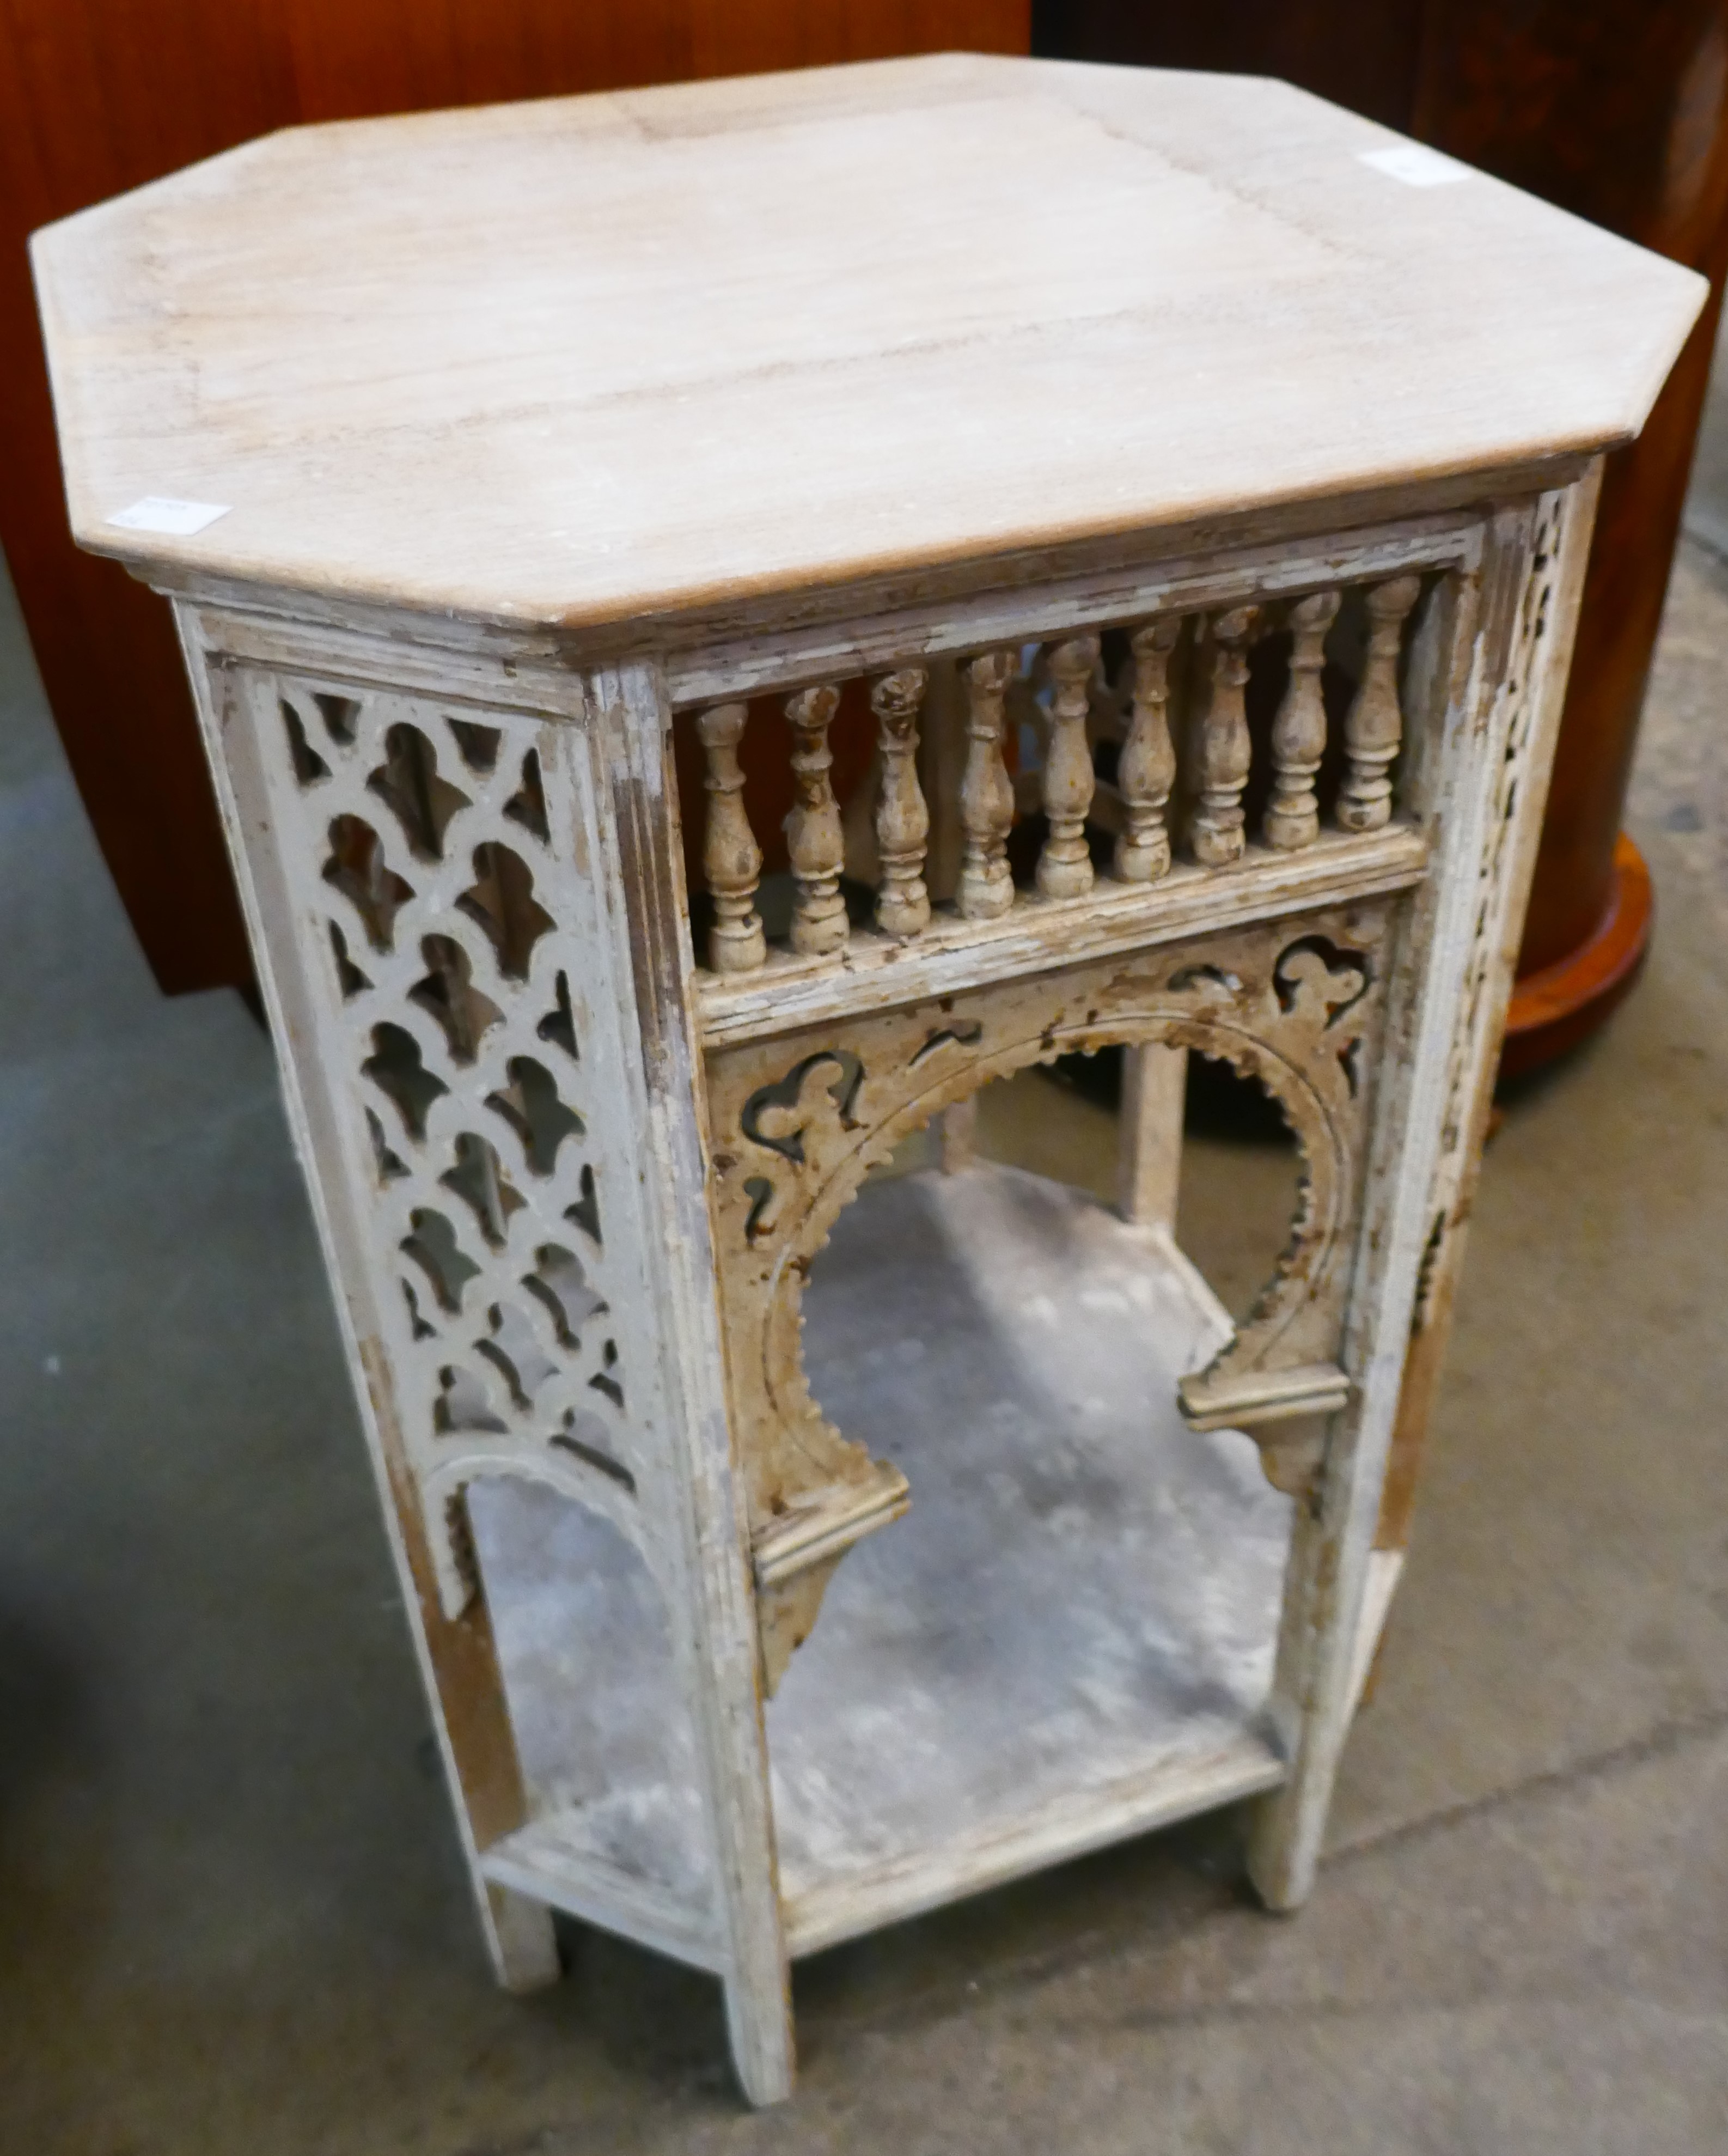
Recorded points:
97,96
1616,111
1194,515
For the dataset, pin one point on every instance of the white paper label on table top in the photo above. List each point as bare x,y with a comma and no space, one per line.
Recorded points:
1415,164
160,512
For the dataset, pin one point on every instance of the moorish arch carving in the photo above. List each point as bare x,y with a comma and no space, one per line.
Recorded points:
799,1120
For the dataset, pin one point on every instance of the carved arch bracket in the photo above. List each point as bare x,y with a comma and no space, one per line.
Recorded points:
799,1121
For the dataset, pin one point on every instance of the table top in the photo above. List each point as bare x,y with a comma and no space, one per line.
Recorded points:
597,358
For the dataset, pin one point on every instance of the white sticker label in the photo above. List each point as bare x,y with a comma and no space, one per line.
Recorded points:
158,512
1415,166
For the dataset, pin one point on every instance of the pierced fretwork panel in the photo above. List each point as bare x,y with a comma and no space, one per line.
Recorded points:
799,1120
452,928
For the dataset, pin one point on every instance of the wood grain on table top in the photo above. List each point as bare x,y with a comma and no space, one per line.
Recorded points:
601,357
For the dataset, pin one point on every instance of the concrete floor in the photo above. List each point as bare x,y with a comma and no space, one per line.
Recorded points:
232,1915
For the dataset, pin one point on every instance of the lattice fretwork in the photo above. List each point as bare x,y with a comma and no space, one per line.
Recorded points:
426,846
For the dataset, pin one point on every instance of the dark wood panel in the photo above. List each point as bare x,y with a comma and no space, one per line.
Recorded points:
1616,111
99,95
350,61
1364,57
95,97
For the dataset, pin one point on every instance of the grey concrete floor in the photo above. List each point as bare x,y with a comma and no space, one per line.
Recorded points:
232,1913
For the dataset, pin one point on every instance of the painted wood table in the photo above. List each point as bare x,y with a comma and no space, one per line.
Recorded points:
1131,526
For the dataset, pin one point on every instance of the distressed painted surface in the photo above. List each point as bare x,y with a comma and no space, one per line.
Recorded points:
1091,725
601,359
799,1121
603,1728
1340,969
1083,1590
1016,1346
440,862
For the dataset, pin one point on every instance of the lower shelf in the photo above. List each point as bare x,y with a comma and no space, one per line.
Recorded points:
1175,1786
554,1859
1068,1640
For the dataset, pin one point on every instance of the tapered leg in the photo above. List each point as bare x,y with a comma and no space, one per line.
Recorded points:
1485,810
759,2028
458,1656
715,1623
520,1938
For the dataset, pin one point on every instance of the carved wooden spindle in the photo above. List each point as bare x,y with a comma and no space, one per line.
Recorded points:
1064,867
1221,749
731,860
902,818
986,793
1146,769
1374,726
814,838
1299,732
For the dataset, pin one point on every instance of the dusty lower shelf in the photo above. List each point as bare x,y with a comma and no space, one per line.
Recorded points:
1066,1641
1069,1637
1173,1785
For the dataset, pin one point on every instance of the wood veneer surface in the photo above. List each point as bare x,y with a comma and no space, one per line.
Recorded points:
595,359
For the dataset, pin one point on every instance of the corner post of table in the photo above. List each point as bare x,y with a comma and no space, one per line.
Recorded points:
458,1657
718,1621
1478,768
1478,1041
